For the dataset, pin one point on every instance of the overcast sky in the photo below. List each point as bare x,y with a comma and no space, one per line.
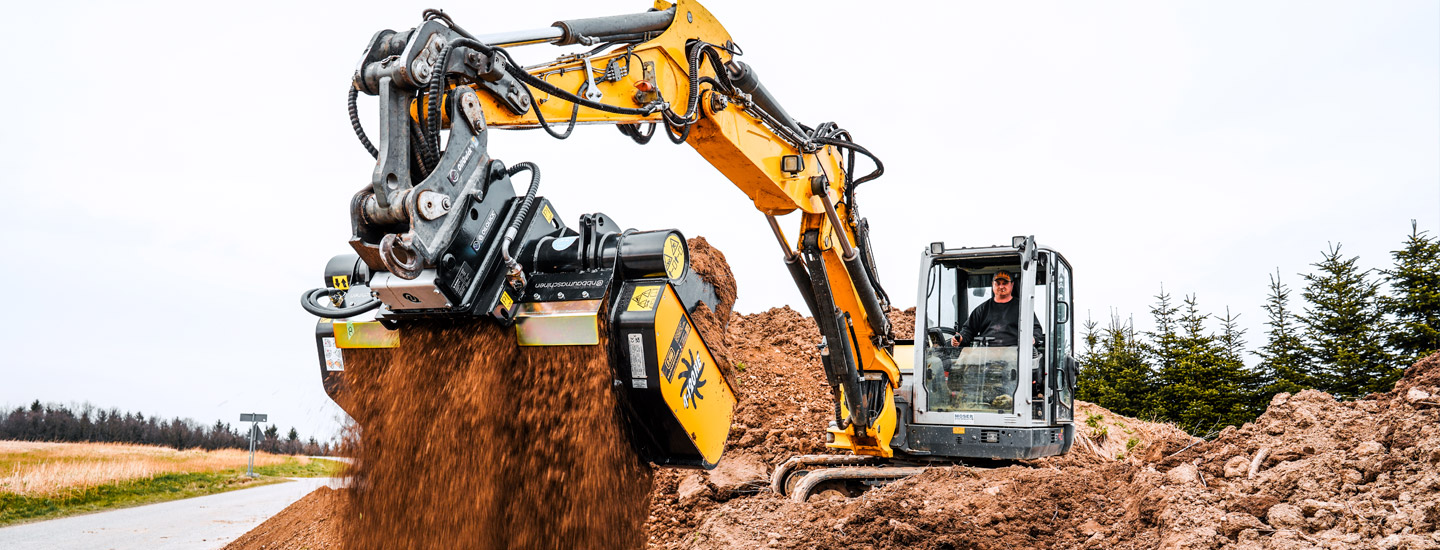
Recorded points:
178,173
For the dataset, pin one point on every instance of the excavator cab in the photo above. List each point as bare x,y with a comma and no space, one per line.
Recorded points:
999,395
1006,393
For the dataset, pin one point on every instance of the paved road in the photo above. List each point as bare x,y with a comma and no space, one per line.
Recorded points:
201,523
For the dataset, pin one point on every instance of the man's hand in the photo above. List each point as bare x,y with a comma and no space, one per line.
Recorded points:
955,341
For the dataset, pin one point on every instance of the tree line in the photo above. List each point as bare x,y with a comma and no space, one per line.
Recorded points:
1349,337
52,422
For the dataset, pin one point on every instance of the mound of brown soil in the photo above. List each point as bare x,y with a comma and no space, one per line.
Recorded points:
1309,473
311,523
902,323
1313,471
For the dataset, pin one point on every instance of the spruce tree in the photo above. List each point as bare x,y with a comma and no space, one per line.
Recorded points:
1252,383
1164,345
1284,366
1344,328
1089,337
1113,372
1232,337
1415,303
1202,385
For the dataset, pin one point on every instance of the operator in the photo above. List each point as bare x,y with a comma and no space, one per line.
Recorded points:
998,318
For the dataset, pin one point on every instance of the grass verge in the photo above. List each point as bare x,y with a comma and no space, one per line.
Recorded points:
15,508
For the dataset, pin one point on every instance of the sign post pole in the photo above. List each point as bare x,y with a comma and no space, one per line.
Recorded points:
254,419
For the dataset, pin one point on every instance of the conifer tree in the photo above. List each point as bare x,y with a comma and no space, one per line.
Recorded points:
1113,372
1284,365
1164,345
1232,337
1089,337
1201,386
1252,383
1415,303
1343,328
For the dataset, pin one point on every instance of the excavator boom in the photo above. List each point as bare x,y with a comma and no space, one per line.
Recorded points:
441,232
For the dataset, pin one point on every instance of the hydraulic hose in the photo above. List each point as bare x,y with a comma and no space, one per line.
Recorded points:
355,123
308,298
879,168
521,214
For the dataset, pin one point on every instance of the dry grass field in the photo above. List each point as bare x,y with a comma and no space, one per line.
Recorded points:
39,469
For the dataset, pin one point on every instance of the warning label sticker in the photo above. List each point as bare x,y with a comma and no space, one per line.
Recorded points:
333,360
645,298
674,256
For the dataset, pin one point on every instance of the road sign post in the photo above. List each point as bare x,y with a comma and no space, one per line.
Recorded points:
254,419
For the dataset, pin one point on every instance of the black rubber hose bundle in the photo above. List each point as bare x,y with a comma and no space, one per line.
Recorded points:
355,123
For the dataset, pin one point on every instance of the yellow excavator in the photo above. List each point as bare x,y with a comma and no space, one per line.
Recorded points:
442,232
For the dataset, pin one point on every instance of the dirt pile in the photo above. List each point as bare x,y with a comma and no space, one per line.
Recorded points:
311,523
1309,473
709,263
1313,471
903,322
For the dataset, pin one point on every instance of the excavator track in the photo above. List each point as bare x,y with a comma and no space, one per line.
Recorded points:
799,477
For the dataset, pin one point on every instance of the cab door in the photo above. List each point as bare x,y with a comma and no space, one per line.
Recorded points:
1062,368
957,386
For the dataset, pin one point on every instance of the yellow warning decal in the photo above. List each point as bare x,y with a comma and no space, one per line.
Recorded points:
340,282
958,430
505,300
674,256
644,298
549,216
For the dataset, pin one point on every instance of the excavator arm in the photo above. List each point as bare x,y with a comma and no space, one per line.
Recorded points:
672,70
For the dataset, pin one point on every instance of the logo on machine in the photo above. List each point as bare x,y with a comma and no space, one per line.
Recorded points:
694,369
411,297
571,284
677,347
484,232
454,176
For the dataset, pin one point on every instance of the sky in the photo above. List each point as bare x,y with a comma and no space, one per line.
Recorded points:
178,173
